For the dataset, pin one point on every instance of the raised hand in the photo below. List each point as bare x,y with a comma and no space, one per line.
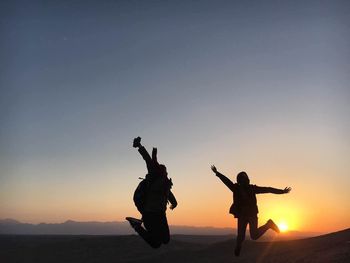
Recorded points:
213,168
137,142
287,190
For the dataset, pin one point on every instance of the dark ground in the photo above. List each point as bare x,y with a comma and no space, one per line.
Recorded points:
333,247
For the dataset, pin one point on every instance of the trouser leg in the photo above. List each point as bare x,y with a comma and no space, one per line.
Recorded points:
165,233
241,228
152,231
256,232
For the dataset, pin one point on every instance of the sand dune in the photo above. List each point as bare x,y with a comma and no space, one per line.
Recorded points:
334,247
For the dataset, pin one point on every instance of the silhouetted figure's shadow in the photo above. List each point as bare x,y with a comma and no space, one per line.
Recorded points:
245,207
151,199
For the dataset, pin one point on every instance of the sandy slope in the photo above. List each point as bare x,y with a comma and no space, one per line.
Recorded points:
333,247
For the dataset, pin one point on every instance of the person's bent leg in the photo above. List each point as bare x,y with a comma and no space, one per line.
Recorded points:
255,232
147,236
273,226
165,233
151,233
241,228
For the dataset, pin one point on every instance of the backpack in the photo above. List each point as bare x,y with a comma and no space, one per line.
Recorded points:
141,191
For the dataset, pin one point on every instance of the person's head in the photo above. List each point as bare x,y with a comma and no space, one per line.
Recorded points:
162,170
242,178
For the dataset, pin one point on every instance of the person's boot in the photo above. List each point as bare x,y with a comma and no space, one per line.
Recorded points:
273,226
134,222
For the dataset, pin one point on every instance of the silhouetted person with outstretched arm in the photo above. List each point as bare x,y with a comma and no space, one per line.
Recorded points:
245,207
156,194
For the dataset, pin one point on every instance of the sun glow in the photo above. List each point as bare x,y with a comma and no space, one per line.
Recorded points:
283,227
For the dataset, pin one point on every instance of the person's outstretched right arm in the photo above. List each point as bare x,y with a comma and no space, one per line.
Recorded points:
223,178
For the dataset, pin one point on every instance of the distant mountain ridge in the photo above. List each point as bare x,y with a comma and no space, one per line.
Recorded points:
10,226
70,227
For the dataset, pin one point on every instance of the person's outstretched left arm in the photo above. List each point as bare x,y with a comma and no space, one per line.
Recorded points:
264,190
172,200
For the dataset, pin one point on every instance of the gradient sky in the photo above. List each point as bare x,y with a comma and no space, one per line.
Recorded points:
260,86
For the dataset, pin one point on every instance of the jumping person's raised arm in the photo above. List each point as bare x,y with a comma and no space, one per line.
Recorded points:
154,155
172,200
223,178
264,190
144,153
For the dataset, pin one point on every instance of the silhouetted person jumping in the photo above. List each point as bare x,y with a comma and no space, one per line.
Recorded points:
245,207
151,198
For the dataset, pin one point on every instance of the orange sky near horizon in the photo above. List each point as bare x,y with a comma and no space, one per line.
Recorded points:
203,199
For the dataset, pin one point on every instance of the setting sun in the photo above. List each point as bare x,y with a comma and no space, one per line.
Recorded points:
283,226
